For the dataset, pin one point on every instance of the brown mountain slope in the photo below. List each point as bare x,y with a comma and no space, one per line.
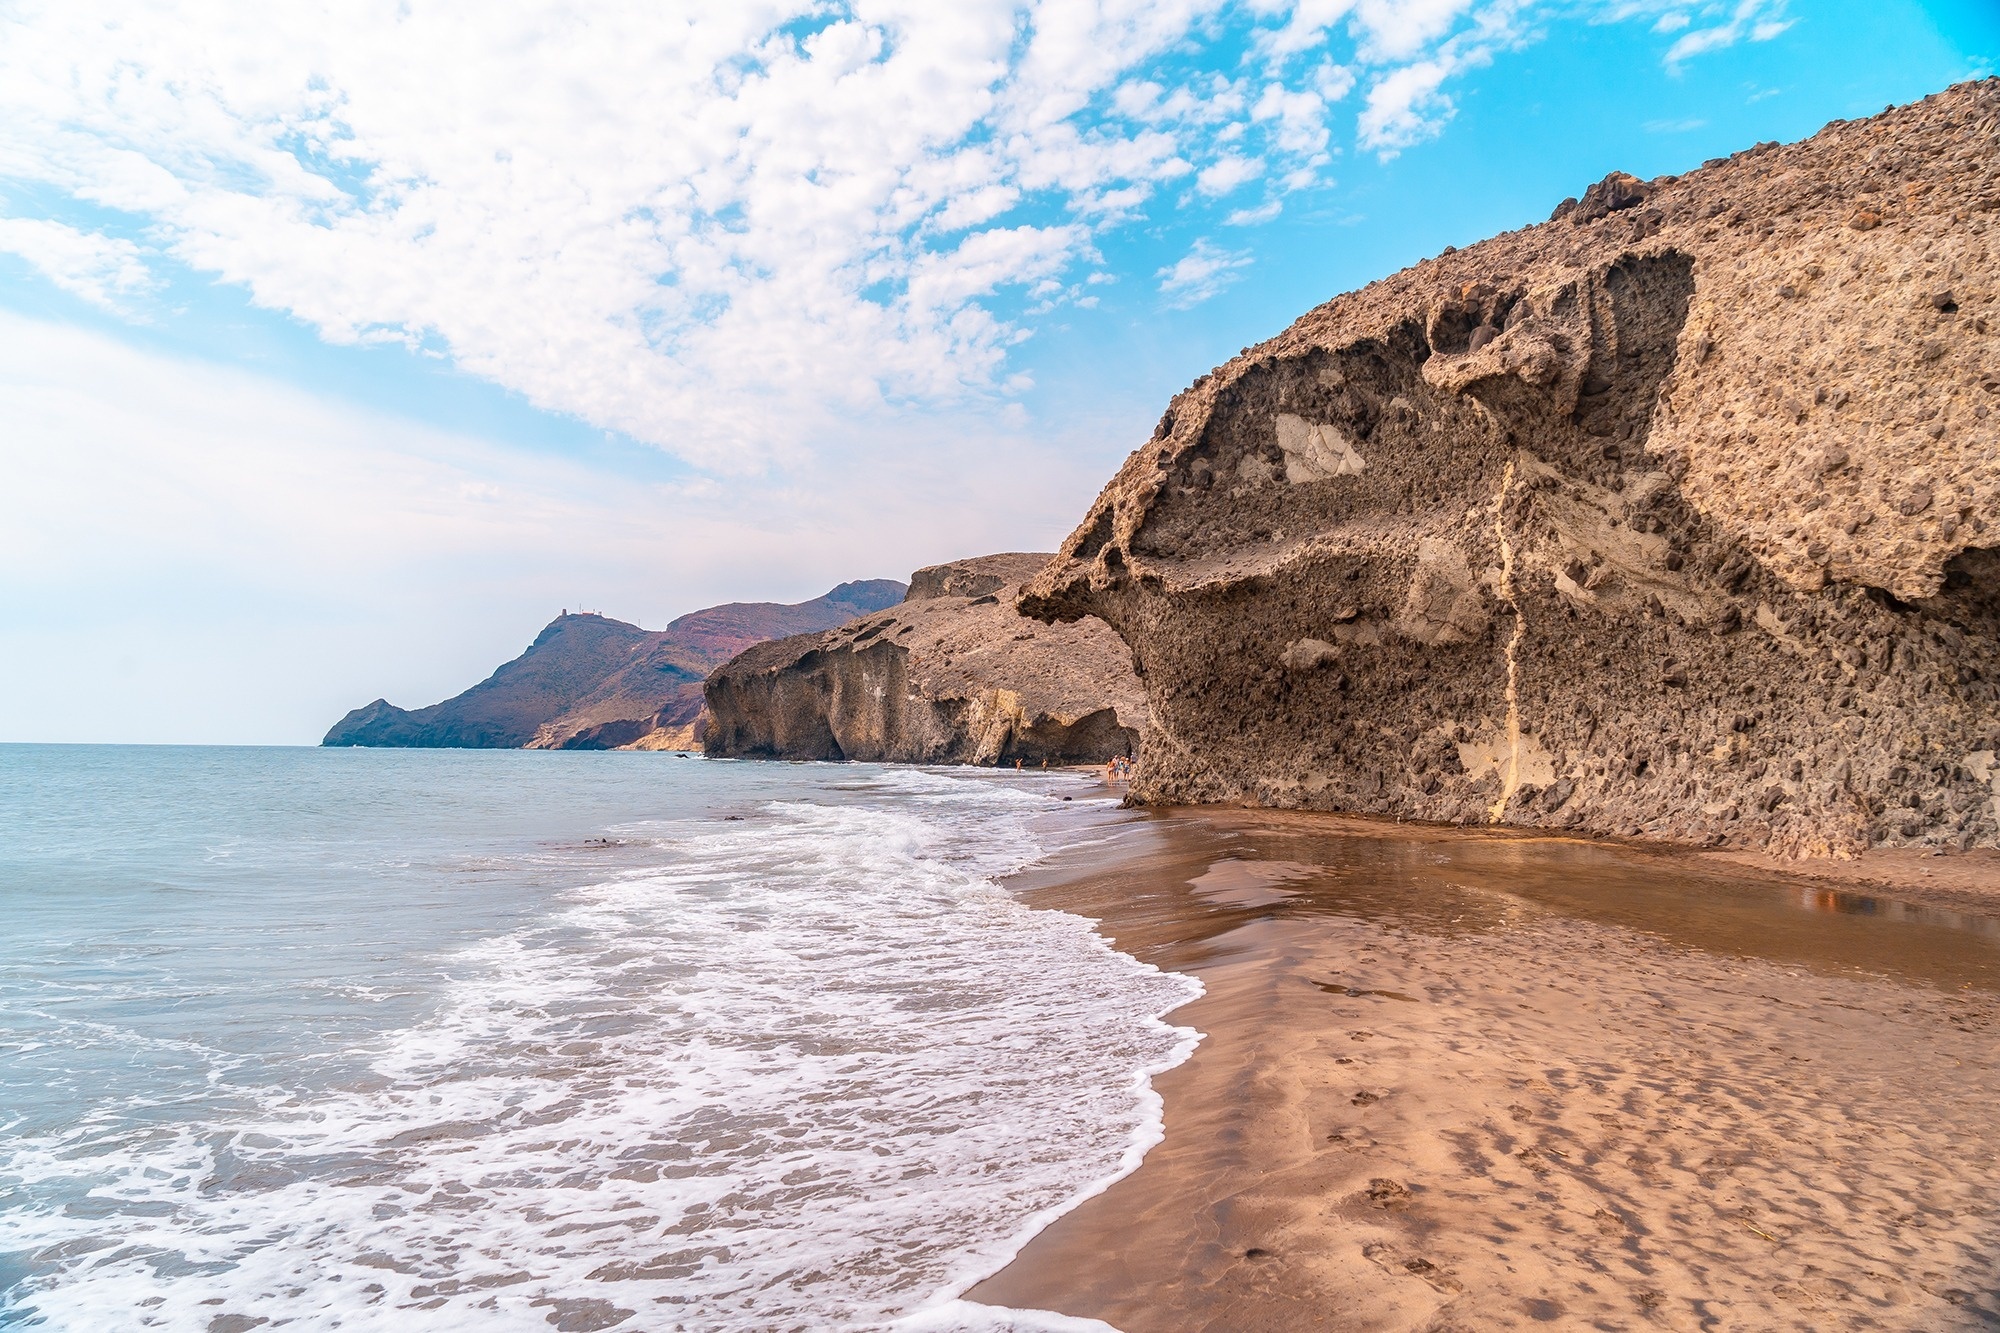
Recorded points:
589,682
1676,516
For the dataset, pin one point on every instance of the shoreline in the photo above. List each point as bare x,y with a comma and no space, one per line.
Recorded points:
1443,1084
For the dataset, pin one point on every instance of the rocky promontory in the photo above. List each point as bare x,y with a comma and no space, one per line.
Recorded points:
588,682
1675,516
952,675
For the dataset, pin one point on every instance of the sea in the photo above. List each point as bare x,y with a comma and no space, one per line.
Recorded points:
436,1040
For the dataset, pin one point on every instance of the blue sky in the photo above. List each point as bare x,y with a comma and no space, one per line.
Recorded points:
339,356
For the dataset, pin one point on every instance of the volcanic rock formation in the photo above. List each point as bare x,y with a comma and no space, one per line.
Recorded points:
1675,516
592,683
954,675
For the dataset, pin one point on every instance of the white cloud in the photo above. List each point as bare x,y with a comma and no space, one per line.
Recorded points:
1332,82
1405,50
1201,273
101,270
1405,107
1757,20
981,205
1216,101
1226,173
1250,217
1300,117
1392,30
1305,28
1385,31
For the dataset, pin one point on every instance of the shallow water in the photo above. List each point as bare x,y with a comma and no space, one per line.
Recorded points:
491,1040
1244,865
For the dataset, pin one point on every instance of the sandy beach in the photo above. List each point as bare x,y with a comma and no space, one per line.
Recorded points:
1463,1080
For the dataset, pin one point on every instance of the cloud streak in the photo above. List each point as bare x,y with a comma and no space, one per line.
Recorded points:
1756,20
1200,274
102,270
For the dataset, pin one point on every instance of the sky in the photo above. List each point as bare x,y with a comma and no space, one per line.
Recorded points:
343,346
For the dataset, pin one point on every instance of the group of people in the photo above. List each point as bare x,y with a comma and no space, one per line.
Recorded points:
1118,769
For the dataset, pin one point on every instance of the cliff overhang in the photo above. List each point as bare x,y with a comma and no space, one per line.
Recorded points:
1672,517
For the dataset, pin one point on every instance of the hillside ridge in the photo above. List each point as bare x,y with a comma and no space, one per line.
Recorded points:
594,683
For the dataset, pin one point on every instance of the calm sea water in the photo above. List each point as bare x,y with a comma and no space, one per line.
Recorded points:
317,1039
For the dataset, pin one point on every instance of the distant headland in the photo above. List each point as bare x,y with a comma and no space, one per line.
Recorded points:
588,682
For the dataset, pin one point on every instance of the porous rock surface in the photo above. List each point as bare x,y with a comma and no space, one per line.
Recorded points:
953,675
1676,516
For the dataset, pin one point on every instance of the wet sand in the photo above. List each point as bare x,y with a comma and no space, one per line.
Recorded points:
1458,1080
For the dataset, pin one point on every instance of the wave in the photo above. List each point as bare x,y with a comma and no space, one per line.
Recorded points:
812,1068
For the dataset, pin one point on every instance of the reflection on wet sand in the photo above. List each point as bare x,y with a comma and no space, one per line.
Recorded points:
1818,898
1473,1081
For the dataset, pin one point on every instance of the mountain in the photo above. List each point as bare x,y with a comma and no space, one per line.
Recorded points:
588,682
1676,516
953,675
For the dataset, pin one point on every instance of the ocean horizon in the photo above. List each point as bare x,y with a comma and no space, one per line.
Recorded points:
511,1039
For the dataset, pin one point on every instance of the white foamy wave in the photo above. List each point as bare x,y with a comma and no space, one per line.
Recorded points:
955,1316
813,1069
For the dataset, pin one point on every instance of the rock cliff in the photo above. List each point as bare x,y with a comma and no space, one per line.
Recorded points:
1675,516
592,683
952,675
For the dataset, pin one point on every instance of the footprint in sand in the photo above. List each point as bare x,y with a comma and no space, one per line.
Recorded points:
1386,1258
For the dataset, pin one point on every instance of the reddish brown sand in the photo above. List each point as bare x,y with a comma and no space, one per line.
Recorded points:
1465,1081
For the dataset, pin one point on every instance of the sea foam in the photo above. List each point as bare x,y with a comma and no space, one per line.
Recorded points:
811,1068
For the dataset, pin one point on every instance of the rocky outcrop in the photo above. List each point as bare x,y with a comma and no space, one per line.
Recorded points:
592,683
1676,516
954,675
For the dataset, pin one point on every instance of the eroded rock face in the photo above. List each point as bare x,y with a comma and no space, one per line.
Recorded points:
952,675
1676,516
